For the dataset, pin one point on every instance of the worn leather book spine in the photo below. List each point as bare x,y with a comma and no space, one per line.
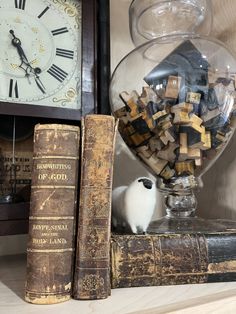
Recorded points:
155,260
92,269
50,250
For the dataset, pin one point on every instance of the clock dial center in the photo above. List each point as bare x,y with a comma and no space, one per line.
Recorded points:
31,35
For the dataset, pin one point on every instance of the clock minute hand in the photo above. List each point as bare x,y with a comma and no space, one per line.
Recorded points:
39,84
22,55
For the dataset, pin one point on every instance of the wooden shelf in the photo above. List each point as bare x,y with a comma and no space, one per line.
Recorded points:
14,218
217,298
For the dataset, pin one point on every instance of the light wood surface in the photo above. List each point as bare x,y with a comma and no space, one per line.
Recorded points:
216,298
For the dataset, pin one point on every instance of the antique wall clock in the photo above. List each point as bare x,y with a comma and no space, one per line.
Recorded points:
48,56
46,68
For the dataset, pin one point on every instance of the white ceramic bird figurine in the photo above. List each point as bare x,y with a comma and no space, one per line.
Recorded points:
134,205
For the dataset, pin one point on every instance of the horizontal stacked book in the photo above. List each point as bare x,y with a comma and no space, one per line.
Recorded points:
172,259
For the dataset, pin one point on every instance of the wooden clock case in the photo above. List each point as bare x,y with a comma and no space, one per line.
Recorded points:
94,98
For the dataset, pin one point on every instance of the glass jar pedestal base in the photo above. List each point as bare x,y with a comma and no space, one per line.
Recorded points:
181,205
185,225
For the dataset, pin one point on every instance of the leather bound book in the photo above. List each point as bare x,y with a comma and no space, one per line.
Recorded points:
155,260
92,267
50,251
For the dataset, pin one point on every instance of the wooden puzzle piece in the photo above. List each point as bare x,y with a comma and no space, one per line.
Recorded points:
168,153
139,139
183,141
184,167
131,101
140,124
181,113
155,144
195,122
156,164
148,95
149,120
173,86
160,114
193,98
145,151
167,173
187,107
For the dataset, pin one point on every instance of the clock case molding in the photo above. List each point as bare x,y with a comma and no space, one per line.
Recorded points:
94,97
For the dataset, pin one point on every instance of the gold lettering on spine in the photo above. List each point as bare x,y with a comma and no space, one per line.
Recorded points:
53,176
49,241
39,241
53,166
49,234
50,228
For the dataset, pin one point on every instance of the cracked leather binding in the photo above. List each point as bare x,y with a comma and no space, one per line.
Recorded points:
172,259
50,250
92,267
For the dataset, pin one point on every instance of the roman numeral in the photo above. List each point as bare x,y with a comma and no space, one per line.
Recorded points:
13,89
57,73
43,12
59,31
20,4
65,53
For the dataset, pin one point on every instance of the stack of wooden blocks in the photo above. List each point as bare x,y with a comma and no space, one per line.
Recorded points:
174,127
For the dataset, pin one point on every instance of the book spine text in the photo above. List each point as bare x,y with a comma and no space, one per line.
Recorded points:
50,248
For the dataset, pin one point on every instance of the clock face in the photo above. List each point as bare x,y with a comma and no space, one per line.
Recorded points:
40,52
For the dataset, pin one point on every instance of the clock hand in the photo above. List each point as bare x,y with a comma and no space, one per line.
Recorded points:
38,81
36,71
17,43
39,84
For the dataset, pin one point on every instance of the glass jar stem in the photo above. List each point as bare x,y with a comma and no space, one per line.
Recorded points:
180,205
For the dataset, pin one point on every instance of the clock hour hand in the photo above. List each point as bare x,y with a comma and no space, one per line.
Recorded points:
36,71
17,43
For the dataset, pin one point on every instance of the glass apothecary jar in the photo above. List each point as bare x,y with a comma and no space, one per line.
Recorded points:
175,97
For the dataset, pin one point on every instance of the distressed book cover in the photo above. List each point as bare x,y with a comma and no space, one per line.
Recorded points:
50,250
92,267
172,259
